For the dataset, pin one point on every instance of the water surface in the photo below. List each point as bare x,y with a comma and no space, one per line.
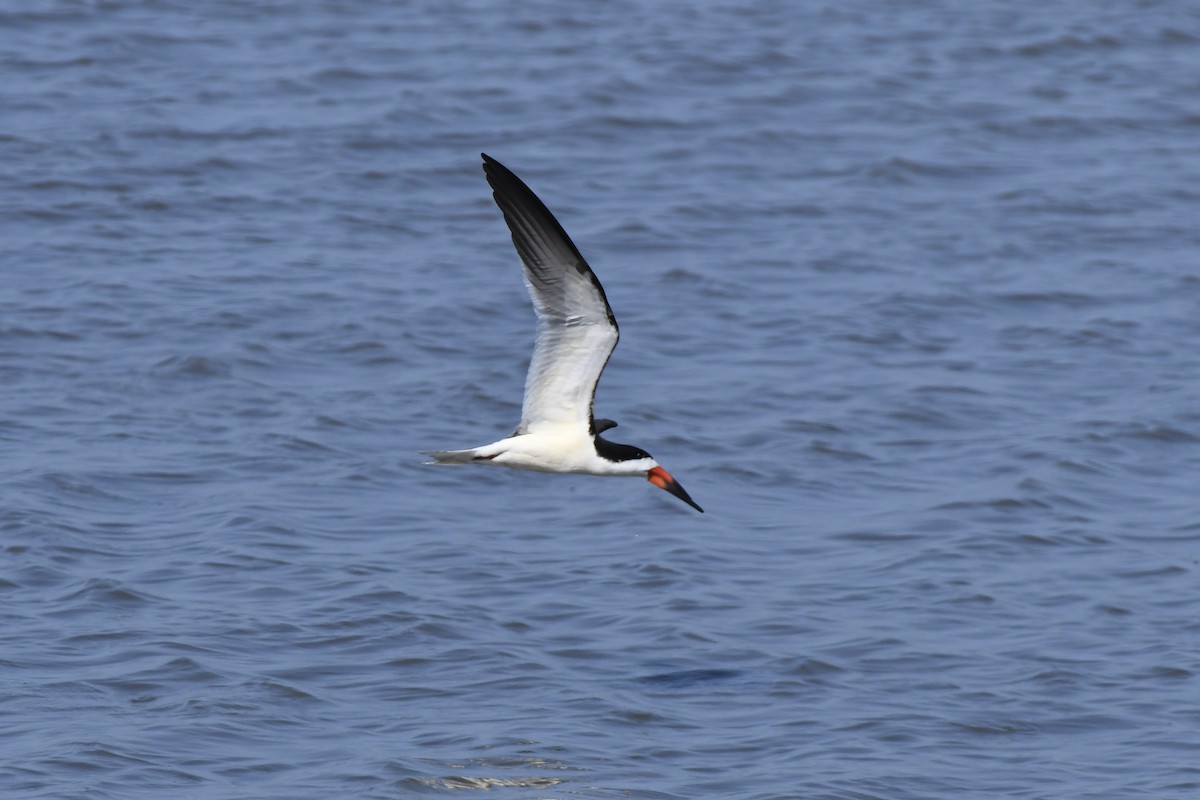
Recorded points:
908,296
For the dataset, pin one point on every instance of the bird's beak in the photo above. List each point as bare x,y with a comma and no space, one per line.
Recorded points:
663,480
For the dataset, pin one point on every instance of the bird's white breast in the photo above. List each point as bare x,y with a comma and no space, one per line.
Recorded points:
565,448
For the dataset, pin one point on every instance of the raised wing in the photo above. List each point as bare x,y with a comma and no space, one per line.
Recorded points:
576,328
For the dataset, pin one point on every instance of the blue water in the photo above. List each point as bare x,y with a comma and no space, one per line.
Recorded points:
909,303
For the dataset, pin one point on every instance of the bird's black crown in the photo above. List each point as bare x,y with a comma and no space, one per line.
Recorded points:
618,452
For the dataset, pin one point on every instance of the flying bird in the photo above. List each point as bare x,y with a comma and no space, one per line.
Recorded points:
576,335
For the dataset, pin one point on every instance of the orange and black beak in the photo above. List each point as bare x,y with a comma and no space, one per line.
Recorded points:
663,480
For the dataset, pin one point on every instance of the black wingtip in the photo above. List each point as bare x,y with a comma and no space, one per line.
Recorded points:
494,170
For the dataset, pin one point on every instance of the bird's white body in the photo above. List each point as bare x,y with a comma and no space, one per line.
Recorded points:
576,334
560,448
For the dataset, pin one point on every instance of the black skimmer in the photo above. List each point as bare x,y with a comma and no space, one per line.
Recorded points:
576,334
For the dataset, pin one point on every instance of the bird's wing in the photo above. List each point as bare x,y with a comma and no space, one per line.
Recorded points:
576,328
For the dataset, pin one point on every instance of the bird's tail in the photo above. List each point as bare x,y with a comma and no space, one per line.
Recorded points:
450,457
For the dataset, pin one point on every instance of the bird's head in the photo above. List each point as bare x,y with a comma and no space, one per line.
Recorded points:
636,461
